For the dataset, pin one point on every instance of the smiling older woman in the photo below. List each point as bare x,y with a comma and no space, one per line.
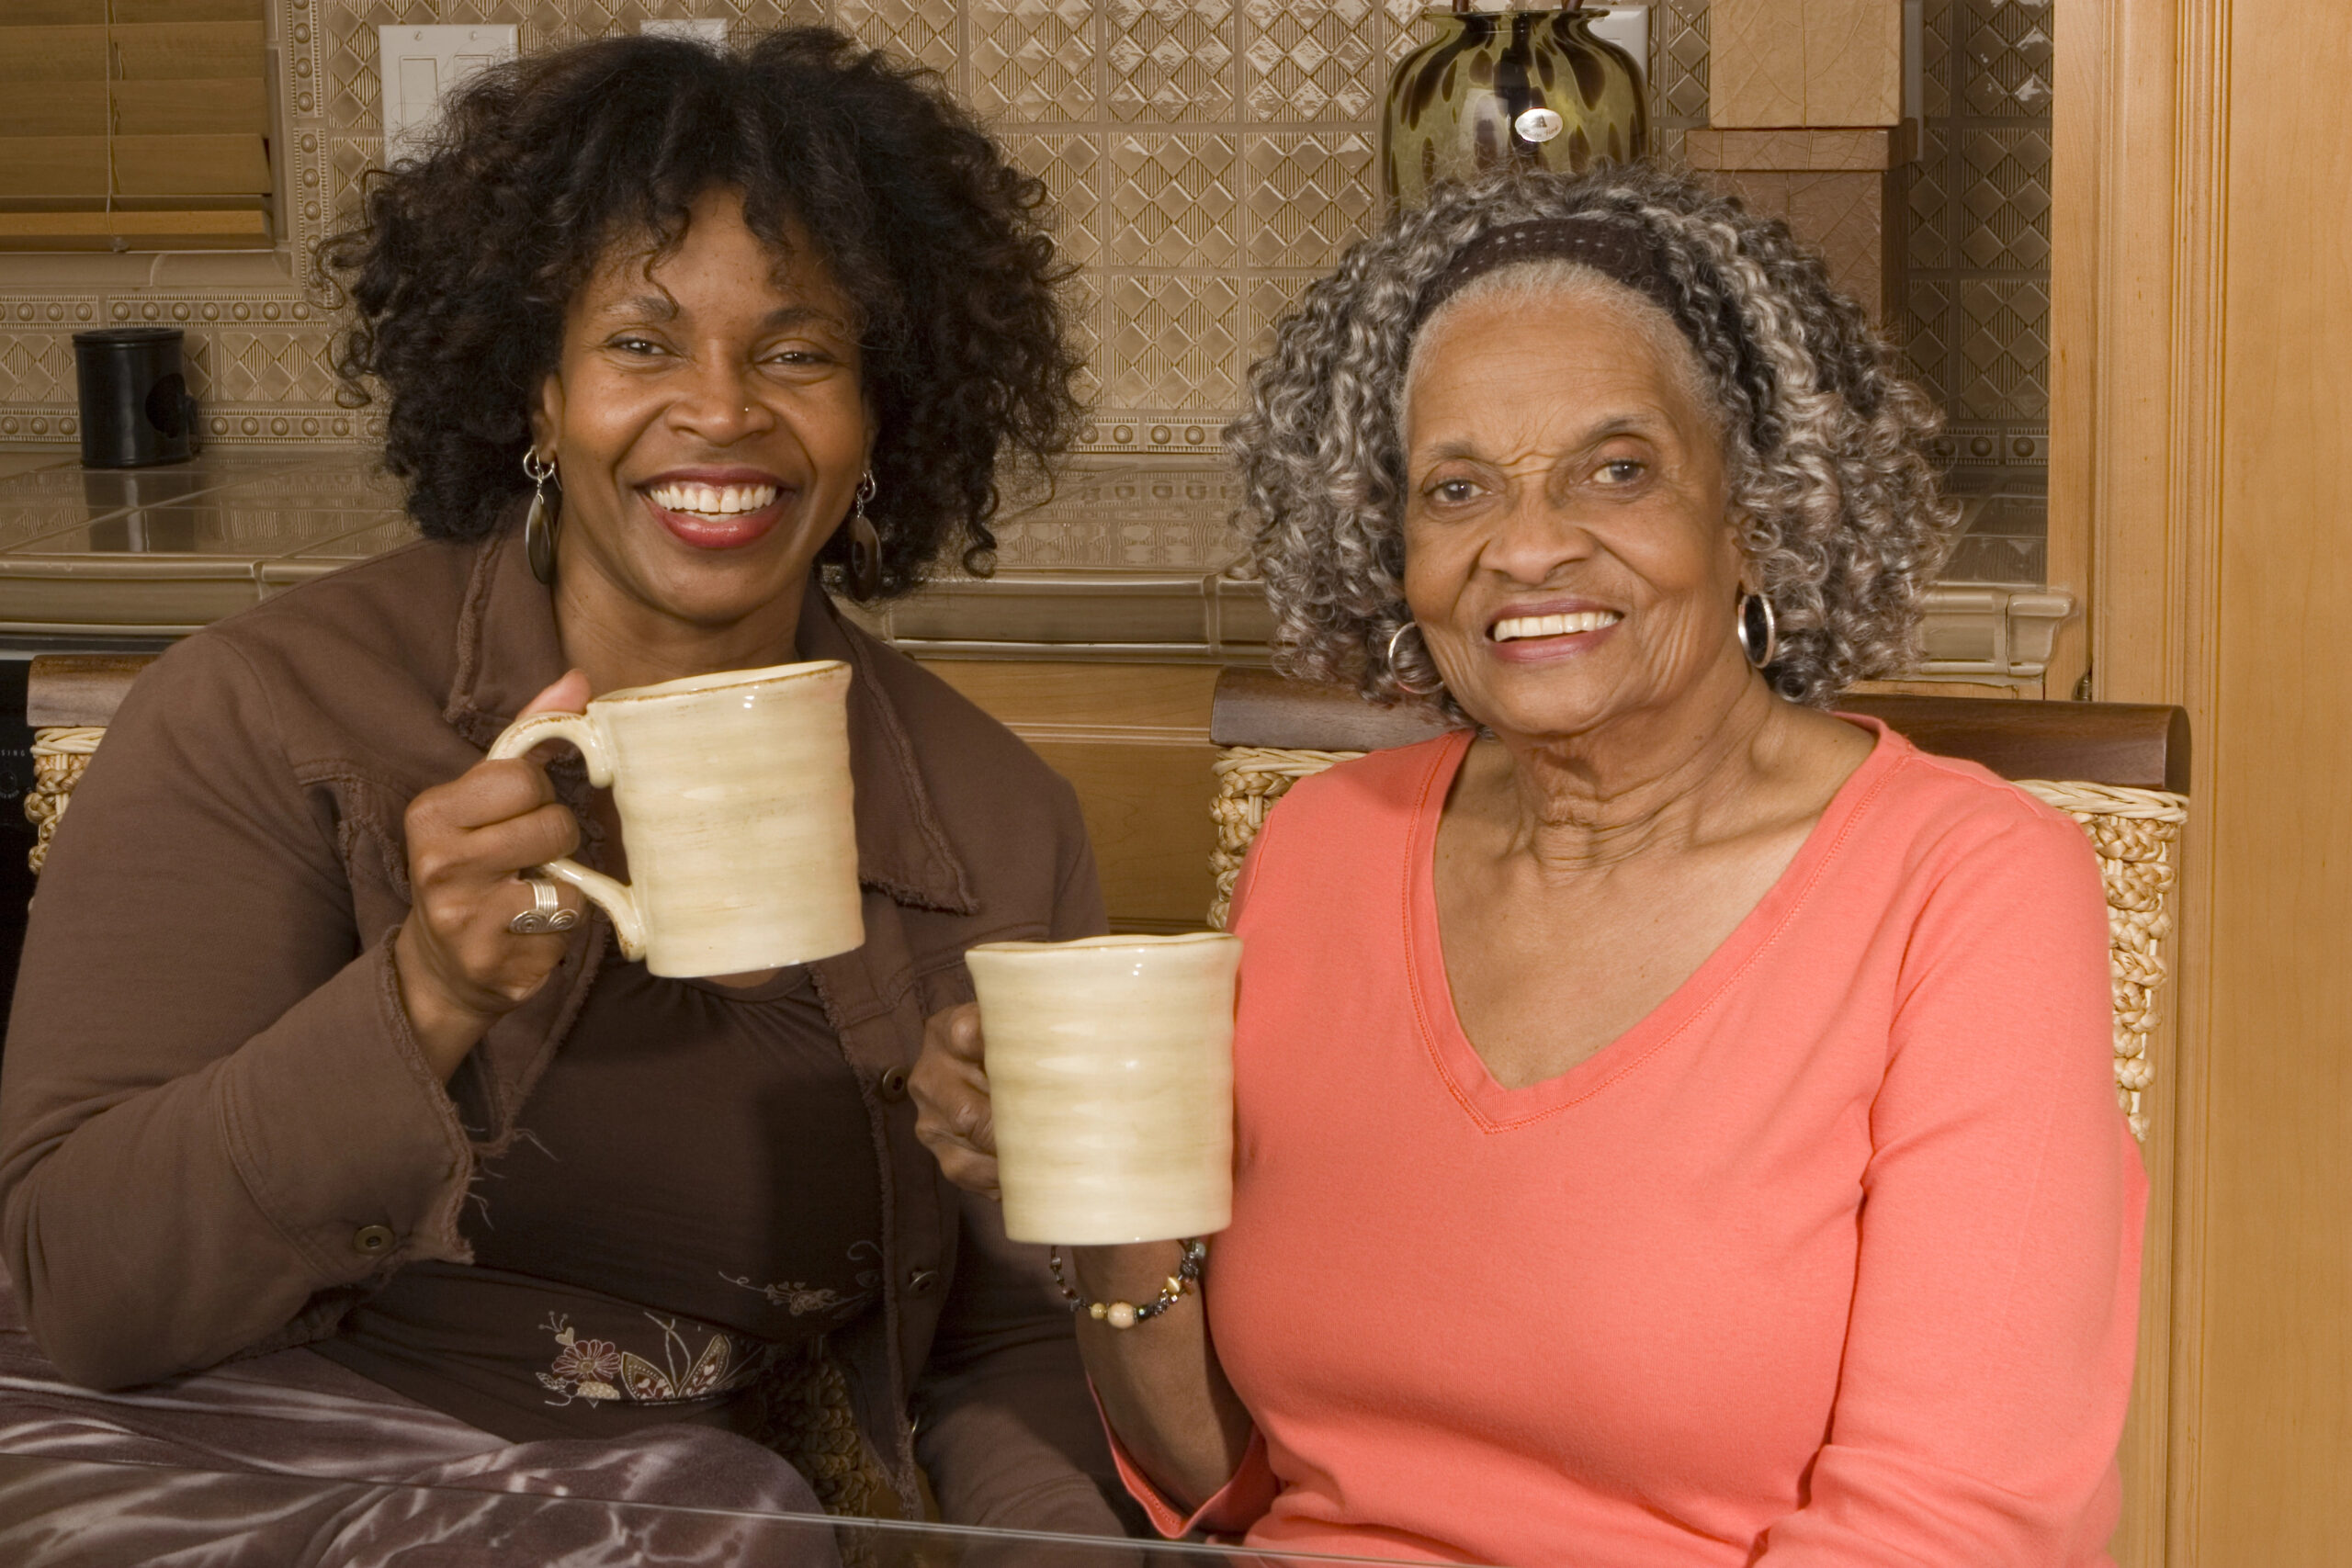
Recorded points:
661,331
1673,1123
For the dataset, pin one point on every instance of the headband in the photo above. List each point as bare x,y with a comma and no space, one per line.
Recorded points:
1610,246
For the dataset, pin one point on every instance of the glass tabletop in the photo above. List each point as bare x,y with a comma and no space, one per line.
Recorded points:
58,1512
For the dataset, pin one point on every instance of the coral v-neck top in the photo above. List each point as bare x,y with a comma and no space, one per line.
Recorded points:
1830,1261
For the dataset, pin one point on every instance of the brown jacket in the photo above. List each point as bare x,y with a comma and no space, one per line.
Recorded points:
211,1088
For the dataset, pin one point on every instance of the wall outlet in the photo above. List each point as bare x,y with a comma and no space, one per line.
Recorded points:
1627,27
710,31
418,66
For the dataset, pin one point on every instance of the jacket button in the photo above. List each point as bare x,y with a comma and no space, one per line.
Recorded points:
372,1239
922,1281
892,1084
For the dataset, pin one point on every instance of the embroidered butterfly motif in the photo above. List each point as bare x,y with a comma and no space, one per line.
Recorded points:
597,1369
645,1380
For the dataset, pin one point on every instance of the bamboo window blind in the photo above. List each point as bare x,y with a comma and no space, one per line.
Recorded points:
133,124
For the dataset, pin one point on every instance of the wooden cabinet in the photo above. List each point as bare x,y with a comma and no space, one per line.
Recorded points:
1134,739
2203,305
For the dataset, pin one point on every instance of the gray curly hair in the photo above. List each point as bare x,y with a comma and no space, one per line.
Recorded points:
1838,507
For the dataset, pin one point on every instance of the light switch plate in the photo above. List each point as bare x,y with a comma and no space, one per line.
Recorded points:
1627,27
710,31
417,67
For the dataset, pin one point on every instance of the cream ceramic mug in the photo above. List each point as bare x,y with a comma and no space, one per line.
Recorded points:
734,797
1110,1065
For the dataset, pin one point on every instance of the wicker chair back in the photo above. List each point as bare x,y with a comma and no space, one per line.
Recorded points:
2119,768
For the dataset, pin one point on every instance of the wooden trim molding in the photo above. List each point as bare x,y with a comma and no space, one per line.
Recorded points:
2140,187
2180,617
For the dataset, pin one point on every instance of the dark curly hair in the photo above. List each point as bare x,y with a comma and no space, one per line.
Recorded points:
463,264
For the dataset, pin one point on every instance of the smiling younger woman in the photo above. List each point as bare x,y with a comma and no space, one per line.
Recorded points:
662,332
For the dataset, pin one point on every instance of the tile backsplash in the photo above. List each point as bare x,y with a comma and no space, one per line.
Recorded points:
1208,158
1975,322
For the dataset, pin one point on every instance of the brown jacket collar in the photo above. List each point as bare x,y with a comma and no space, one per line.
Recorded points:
508,650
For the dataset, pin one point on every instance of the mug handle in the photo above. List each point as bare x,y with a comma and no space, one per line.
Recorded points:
613,897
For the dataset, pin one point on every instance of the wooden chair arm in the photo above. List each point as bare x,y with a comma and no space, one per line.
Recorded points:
2134,745
77,691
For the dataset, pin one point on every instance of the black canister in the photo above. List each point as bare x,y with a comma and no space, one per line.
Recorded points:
135,407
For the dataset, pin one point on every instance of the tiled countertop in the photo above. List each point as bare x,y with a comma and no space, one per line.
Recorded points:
1129,559
160,552
1126,560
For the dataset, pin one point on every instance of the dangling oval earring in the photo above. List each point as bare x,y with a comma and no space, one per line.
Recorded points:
539,523
864,545
1396,670
1759,632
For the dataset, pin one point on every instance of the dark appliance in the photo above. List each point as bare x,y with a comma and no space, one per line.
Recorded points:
135,406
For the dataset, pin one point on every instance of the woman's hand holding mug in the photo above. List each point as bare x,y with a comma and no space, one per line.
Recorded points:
1100,1108
461,965
952,1114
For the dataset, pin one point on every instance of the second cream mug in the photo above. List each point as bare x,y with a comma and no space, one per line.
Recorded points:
735,805
1110,1067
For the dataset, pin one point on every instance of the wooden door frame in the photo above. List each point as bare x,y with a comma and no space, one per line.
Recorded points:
2139,182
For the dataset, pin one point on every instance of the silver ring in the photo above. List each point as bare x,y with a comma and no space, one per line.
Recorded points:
547,914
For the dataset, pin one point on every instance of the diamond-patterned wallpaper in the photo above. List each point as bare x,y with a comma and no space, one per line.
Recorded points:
1976,317
257,351
1208,159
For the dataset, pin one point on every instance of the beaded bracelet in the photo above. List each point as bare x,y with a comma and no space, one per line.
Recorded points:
1127,1314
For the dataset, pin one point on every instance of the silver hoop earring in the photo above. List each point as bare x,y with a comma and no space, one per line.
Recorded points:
1754,607
1396,670
865,545
539,523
